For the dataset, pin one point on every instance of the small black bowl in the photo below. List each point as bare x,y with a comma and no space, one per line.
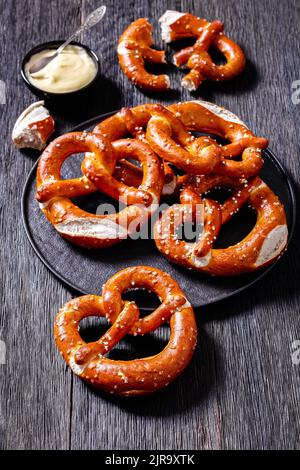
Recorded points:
54,45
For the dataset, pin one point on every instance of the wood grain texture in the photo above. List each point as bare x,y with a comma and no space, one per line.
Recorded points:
241,390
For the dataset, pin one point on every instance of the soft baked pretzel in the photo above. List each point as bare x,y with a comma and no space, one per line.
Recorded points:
129,173
149,189
177,25
170,139
33,127
135,377
265,243
77,225
134,49
196,116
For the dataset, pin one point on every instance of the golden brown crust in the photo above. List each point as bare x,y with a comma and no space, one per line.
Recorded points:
168,133
197,57
150,187
134,49
195,116
266,241
130,174
170,139
81,227
135,377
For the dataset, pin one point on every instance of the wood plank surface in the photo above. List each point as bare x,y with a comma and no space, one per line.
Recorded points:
242,390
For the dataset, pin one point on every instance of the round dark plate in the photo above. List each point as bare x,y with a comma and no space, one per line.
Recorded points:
85,271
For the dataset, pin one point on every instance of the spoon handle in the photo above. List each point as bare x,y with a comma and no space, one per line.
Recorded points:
92,19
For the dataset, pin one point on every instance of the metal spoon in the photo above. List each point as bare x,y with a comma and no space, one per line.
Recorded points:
91,20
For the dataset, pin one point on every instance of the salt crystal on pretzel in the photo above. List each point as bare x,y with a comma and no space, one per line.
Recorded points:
83,228
134,49
176,26
263,245
135,377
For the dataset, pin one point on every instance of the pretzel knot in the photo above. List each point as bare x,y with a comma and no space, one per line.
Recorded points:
77,225
135,377
168,132
170,139
197,58
131,174
266,241
134,49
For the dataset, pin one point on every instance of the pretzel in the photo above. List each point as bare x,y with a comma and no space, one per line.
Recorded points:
33,127
264,244
134,49
175,25
77,225
126,172
149,189
130,174
135,377
170,139
197,116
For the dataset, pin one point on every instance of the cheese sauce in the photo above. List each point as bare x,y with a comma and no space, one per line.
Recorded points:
71,70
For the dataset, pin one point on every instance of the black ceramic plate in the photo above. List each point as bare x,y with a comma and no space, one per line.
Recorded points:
86,270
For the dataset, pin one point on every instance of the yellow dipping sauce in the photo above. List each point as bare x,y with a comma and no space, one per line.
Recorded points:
71,70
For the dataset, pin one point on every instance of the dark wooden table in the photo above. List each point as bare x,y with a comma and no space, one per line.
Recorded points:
242,390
